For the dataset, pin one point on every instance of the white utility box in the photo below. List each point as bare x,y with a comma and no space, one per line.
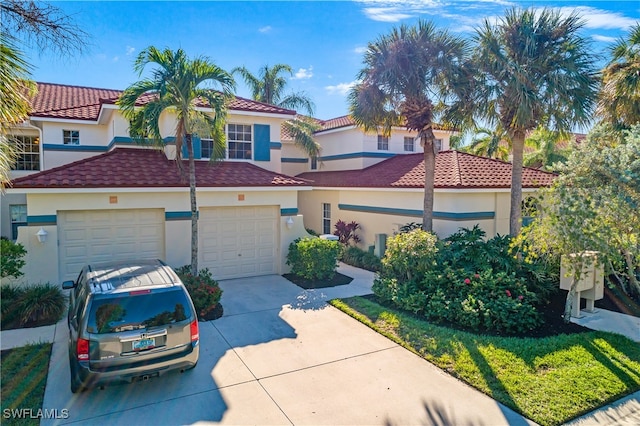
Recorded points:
591,284
330,237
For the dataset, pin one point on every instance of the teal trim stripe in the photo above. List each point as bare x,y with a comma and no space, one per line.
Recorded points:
358,155
47,219
177,216
289,212
294,160
275,145
90,148
453,216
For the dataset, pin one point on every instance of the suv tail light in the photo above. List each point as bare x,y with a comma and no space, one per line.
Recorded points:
195,334
82,349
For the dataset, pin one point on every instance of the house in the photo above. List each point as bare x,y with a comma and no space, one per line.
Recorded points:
95,195
83,191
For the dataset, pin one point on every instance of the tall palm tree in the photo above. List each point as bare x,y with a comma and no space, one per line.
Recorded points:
406,81
619,102
532,69
269,87
176,84
549,147
16,89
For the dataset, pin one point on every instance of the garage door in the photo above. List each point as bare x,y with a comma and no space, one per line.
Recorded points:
238,241
102,235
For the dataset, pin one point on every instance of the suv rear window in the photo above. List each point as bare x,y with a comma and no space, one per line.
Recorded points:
133,312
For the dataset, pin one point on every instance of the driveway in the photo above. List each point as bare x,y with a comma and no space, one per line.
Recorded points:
281,355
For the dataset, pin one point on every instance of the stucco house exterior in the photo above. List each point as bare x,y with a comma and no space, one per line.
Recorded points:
82,191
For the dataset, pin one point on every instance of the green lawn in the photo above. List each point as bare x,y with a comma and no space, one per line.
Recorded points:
24,376
548,380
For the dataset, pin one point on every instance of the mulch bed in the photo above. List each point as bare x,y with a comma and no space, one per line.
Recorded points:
338,279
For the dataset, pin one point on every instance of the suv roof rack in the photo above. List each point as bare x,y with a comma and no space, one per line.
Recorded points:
113,277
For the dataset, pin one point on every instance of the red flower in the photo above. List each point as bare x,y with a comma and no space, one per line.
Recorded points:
508,293
520,297
467,281
477,275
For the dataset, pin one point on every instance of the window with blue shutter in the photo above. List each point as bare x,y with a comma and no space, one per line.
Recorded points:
197,148
262,142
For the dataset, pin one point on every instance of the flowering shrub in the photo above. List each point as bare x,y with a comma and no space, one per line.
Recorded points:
313,258
346,232
203,289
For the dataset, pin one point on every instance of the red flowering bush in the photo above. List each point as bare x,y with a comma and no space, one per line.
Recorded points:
203,289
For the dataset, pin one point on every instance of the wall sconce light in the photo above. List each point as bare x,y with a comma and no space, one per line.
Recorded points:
289,222
42,235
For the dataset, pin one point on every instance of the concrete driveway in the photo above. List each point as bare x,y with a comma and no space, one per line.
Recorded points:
281,355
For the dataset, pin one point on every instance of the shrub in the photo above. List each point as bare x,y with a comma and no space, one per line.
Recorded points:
359,258
40,303
313,258
11,258
409,255
9,296
205,292
312,232
346,232
409,227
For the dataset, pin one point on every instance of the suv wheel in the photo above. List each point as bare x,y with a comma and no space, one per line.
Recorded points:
76,385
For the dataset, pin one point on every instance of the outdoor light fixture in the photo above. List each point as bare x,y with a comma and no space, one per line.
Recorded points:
42,235
289,222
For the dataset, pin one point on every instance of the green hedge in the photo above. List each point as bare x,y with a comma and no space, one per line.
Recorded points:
313,258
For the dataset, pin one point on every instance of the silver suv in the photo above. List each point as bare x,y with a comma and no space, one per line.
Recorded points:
129,321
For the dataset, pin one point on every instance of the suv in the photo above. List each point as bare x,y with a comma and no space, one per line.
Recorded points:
129,321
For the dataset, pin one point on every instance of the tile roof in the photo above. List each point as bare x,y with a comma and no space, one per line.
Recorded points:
84,103
146,168
347,120
454,169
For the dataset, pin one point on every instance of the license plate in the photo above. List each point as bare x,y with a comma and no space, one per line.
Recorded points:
141,345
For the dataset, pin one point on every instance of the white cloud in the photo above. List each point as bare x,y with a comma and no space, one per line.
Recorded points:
265,30
360,50
600,19
605,39
303,74
130,50
115,59
385,14
340,89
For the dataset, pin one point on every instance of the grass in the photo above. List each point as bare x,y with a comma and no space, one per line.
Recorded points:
549,380
24,376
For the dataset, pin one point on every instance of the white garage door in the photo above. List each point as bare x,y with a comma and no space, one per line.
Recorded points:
238,241
91,236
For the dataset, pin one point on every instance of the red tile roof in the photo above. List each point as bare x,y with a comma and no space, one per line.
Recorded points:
84,103
453,170
346,121
145,168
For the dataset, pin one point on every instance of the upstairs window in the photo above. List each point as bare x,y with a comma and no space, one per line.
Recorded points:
438,144
239,142
28,153
71,137
383,143
314,163
409,144
207,148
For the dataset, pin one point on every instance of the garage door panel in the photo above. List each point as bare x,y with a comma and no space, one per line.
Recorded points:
239,241
93,236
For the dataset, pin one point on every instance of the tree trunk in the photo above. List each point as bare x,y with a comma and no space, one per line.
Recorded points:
194,206
429,178
568,304
631,271
515,214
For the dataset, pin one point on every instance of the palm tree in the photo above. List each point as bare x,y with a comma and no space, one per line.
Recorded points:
532,69
406,81
16,89
269,87
490,143
176,84
619,102
548,148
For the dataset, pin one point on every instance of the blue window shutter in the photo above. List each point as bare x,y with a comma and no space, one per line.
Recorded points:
197,148
262,142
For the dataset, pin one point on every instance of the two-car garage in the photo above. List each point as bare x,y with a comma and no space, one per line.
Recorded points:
233,241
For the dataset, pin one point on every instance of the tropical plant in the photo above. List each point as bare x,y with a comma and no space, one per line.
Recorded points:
269,87
406,81
177,84
532,68
346,232
11,258
313,258
490,143
205,292
619,102
547,148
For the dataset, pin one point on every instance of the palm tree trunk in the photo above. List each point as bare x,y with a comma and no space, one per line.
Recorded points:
194,206
429,179
515,214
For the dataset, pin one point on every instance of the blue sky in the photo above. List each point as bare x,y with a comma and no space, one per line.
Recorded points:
322,41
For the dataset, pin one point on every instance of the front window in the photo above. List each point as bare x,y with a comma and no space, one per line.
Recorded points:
409,144
383,143
207,148
28,152
71,137
18,214
326,218
239,141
